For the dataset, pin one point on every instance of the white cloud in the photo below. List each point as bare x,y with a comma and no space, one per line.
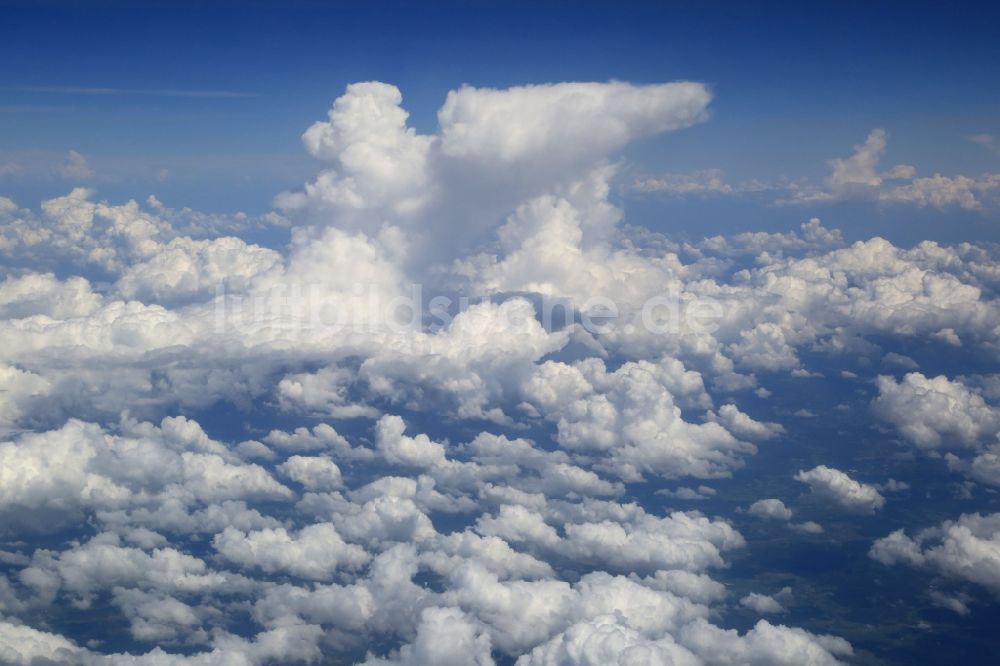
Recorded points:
478,468
935,412
857,177
770,509
79,467
493,149
383,163
764,644
832,485
313,472
709,181
859,168
943,191
604,641
445,636
21,645
765,604
966,549
685,493
315,552
75,167
568,122
185,269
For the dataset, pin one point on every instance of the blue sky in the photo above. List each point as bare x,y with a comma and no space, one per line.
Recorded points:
125,85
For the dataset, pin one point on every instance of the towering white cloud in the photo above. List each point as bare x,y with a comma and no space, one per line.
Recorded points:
493,149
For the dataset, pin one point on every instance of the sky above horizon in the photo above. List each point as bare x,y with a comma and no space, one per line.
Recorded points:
206,109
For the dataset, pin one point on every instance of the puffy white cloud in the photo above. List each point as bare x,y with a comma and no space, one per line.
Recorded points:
857,177
493,148
744,427
42,294
313,472
21,645
321,438
315,552
185,269
17,389
812,235
102,563
859,168
445,636
156,617
491,552
468,366
522,614
632,415
697,587
770,509
766,643
604,641
765,603
966,549
50,470
81,467
678,541
383,164
984,468
383,520
808,527
623,539
397,448
935,412
943,191
832,485
443,547
570,122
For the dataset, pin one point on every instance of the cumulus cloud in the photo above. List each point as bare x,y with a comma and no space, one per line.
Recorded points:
935,412
186,268
829,484
481,480
313,472
23,645
765,603
770,509
858,177
604,641
315,552
859,168
966,549
444,636
80,467
493,148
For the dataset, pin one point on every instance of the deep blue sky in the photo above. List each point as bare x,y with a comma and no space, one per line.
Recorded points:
795,84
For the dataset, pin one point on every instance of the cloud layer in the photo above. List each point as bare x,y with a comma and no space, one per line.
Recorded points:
458,408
